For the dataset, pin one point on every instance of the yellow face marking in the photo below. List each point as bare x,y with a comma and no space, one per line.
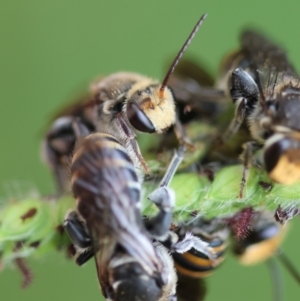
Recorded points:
161,112
147,104
262,251
286,171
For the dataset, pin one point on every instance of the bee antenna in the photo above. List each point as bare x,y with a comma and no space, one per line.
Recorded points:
179,55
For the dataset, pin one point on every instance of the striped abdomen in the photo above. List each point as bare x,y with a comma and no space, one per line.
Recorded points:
106,186
197,264
101,167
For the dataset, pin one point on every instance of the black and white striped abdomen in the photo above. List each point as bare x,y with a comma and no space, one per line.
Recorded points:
103,177
196,264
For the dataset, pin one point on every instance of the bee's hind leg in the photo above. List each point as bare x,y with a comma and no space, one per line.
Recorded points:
78,233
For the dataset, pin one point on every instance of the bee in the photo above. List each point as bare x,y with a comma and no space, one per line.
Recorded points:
132,260
196,98
262,244
262,241
266,91
193,266
197,264
109,225
119,104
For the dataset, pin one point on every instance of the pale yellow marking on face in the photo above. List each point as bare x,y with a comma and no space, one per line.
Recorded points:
163,112
286,171
262,251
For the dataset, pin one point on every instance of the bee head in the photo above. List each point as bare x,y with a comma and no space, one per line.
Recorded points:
282,159
147,109
150,105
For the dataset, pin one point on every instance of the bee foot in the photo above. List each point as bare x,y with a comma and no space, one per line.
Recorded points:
163,198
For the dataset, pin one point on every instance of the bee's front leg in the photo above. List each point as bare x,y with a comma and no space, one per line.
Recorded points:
130,135
246,157
244,93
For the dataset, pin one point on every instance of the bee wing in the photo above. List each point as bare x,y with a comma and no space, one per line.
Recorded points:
193,89
107,187
268,62
189,69
263,53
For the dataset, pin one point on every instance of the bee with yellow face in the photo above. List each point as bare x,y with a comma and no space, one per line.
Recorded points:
120,105
266,91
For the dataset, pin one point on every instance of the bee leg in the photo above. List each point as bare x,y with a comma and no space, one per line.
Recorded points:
172,168
164,198
79,236
131,138
158,226
247,157
237,120
58,147
189,242
244,93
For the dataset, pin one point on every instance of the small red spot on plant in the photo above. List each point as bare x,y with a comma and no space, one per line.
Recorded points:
30,213
60,229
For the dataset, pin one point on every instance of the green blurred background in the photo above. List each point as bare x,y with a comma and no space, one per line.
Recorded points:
51,50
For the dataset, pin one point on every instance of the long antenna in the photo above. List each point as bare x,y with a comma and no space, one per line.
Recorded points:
179,55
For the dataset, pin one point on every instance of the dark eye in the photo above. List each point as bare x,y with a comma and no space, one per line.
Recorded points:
138,119
272,155
148,90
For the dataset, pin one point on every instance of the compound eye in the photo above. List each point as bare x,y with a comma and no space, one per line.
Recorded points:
138,119
282,161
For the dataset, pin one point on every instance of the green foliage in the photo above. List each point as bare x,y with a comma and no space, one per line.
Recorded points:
32,227
195,194
158,150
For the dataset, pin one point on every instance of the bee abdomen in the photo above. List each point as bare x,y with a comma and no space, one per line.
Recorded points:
131,281
197,264
99,162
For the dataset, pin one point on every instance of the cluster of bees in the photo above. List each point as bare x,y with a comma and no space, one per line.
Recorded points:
94,151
